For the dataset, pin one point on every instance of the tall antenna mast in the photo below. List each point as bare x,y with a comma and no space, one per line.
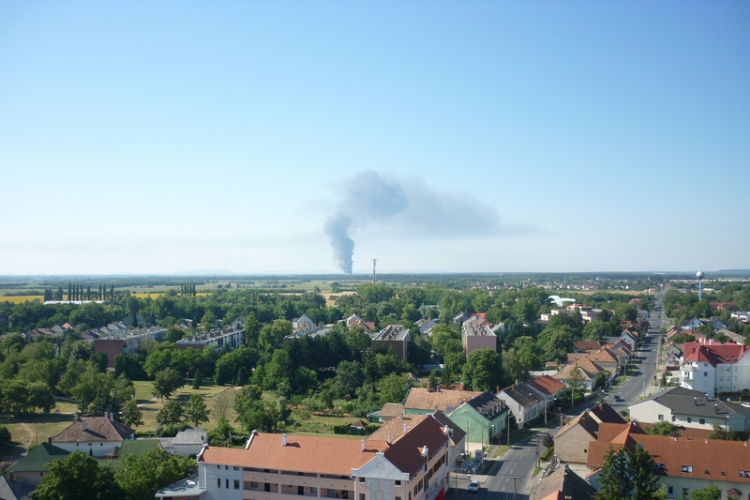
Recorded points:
374,275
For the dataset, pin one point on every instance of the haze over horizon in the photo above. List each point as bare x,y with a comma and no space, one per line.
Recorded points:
310,138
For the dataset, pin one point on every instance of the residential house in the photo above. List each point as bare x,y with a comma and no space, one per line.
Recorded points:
586,345
11,490
96,436
683,464
562,484
524,401
583,370
477,335
688,408
302,322
187,443
388,412
572,442
549,388
712,367
480,414
354,321
392,336
460,319
35,465
483,418
691,324
426,326
630,338
395,428
275,467
606,359
424,400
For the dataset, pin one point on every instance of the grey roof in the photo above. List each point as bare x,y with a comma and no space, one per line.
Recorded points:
190,436
523,394
187,487
488,405
457,433
566,481
688,402
14,491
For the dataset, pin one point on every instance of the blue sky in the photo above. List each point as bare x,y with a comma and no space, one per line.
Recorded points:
161,137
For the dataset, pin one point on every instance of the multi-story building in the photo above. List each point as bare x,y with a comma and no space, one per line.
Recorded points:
711,367
230,337
412,466
392,336
477,334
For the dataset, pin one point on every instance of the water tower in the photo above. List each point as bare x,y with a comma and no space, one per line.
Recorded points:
700,275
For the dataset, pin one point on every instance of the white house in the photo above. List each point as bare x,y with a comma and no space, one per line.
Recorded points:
688,408
97,436
711,367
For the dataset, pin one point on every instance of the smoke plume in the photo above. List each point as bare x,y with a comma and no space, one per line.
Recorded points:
406,205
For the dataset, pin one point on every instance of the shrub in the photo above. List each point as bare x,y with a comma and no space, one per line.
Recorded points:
4,434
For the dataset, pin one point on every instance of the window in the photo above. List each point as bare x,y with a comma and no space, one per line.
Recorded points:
361,480
398,483
723,473
218,482
707,472
227,483
669,490
253,486
705,374
236,468
398,498
218,466
661,417
236,484
687,468
362,496
314,490
702,421
690,419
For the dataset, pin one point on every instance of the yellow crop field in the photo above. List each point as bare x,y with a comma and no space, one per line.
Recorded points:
17,299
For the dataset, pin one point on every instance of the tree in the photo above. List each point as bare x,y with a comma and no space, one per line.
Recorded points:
483,370
197,380
140,477
78,477
575,384
663,428
629,474
711,492
196,411
166,382
131,414
171,414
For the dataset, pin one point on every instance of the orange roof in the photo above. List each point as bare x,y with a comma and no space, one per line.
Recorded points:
683,457
324,455
397,427
546,384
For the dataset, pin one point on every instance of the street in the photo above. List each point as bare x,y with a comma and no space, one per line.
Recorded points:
511,477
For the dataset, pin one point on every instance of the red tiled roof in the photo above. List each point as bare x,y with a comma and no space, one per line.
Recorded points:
713,460
546,385
337,456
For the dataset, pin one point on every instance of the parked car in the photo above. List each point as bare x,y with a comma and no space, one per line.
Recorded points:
473,487
617,397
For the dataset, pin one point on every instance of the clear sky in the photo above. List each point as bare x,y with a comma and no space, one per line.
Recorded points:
163,137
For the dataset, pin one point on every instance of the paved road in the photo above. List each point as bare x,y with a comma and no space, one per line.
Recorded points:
640,382
511,478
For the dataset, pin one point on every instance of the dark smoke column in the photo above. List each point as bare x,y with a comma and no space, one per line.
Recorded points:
337,228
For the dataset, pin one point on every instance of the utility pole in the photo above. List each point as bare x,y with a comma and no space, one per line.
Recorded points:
374,275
